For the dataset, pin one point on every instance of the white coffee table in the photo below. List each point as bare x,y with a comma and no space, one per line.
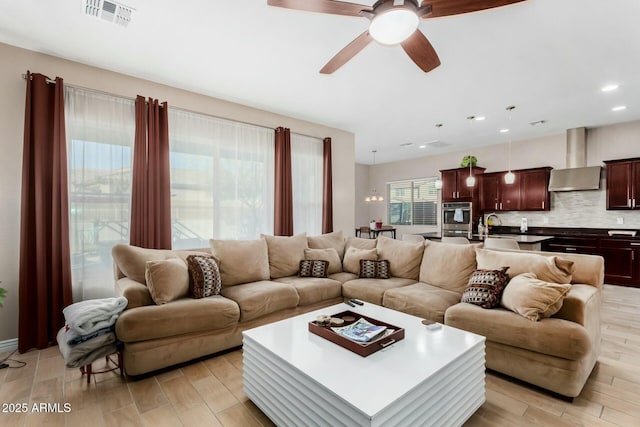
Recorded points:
297,378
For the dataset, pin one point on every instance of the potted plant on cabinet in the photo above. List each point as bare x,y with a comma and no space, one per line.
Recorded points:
3,292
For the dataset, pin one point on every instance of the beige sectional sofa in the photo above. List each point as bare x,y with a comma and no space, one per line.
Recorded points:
260,285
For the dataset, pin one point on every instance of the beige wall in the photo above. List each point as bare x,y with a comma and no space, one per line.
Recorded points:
14,62
572,209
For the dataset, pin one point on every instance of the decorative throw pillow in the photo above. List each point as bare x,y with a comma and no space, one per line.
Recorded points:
448,266
405,257
485,287
313,268
534,298
131,260
167,280
352,257
242,261
205,276
334,240
330,255
548,268
284,254
370,269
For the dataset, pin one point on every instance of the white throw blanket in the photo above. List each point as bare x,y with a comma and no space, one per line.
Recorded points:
88,351
89,316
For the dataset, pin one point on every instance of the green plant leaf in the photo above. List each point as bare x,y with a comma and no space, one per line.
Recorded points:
3,292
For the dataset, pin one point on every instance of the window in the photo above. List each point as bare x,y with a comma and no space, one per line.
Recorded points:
306,174
222,177
100,133
413,202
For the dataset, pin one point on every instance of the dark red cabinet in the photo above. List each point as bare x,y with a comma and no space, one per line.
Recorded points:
496,195
621,261
454,184
534,184
623,184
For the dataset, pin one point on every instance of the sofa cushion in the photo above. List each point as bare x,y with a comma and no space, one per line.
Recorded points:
204,275
547,268
285,254
179,317
132,260
313,290
422,300
372,290
370,269
313,268
360,243
577,303
167,280
555,337
343,276
257,299
485,287
352,257
333,240
447,266
404,257
329,254
136,293
533,298
242,261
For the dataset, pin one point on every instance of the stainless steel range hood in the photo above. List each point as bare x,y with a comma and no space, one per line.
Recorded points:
576,176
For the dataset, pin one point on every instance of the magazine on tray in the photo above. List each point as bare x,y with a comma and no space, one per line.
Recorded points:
360,331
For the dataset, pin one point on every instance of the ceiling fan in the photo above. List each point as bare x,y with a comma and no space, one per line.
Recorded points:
392,22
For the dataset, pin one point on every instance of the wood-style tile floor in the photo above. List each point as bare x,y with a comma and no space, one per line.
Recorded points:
209,392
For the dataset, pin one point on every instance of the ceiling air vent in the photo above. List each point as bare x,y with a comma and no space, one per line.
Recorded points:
110,11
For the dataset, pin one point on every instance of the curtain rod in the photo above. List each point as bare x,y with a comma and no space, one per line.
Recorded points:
24,76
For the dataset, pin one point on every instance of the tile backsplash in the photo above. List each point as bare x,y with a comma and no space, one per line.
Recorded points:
586,209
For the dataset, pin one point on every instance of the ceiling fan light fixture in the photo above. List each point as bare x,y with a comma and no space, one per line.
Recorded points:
394,26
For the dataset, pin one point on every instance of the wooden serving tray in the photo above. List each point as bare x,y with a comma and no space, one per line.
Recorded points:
362,349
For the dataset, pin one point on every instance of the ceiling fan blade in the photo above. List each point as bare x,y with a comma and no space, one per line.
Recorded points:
348,52
421,52
456,7
322,6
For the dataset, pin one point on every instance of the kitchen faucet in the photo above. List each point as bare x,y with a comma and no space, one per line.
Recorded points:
491,215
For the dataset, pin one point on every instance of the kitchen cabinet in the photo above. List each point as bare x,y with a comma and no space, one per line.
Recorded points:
534,189
621,261
573,245
623,184
454,185
496,195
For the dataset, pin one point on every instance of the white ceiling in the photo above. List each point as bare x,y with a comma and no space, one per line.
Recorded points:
548,57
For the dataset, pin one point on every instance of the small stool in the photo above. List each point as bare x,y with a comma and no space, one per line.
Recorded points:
118,364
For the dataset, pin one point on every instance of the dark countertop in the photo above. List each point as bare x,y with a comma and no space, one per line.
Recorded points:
545,233
520,238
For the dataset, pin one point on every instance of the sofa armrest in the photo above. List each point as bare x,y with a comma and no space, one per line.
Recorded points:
582,305
135,292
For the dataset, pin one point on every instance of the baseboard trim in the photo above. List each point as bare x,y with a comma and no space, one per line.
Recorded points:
8,345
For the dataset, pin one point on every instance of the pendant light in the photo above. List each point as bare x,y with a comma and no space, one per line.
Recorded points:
509,177
373,194
438,183
471,180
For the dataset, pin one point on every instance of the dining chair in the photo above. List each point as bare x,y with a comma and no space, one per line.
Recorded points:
364,230
500,243
456,240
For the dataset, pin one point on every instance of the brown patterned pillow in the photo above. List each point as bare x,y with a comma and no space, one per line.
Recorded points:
485,287
370,269
205,276
313,268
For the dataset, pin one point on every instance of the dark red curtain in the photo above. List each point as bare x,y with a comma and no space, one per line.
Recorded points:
45,265
151,193
283,204
327,188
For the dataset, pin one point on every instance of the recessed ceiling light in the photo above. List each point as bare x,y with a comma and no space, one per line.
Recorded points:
479,118
504,130
609,88
619,108
423,146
